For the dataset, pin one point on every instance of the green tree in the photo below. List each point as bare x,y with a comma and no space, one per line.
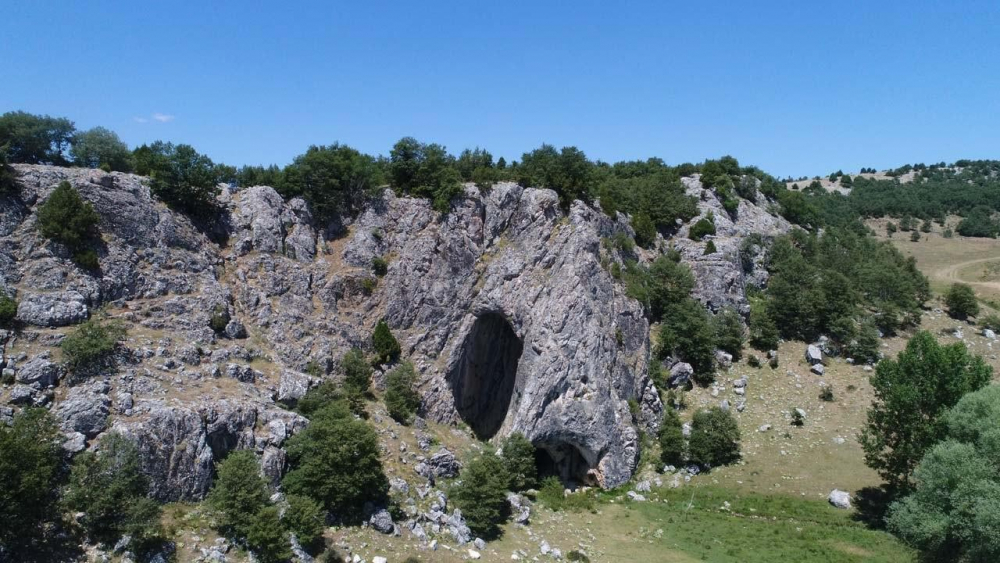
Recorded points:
424,170
645,230
714,439
386,346
180,176
305,518
702,228
108,487
357,372
952,513
401,397
35,139
334,179
567,172
865,346
915,236
671,438
961,301
69,220
336,461
91,344
267,538
101,147
31,468
518,456
238,494
664,284
7,173
8,310
481,495
730,335
763,331
890,228
686,333
926,226
911,394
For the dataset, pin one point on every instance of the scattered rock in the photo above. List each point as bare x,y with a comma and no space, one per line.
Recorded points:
813,354
840,499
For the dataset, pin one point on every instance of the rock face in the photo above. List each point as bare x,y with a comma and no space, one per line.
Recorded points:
503,305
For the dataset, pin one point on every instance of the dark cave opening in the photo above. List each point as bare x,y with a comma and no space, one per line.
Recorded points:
483,380
564,461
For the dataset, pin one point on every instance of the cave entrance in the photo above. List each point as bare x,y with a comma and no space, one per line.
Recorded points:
566,462
482,381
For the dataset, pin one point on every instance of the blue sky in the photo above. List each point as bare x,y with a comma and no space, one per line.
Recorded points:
794,87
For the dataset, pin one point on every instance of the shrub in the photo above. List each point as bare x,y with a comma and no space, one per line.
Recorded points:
91,343
238,494
947,233
915,236
645,230
762,328
710,248
961,301
267,538
481,495
7,173
386,346
990,321
671,438
753,361
577,556
180,176
729,333
714,439
798,419
552,494
31,462
890,228
424,170
567,172
108,487
334,179
951,515
379,266
336,461
368,285
911,394
926,226
664,284
357,372
401,397
518,456
69,220
686,333
702,228
865,346
8,310
220,319
826,394
100,147
304,517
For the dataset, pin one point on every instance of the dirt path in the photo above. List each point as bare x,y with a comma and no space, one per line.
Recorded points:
950,274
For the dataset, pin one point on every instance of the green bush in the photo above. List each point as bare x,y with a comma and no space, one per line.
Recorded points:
947,233
386,346
567,172
826,394
519,462
961,301
108,487
91,343
31,468
7,173
336,461
267,538
890,228
798,419
481,495
180,176
357,372
334,179
753,361
671,438
401,397
714,439
729,332
305,518
686,333
762,328
379,266
710,248
915,236
100,147
8,310
424,170
702,228
865,346
238,494
219,319
69,220
990,321
911,394
551,493
661,286
952,513
645,230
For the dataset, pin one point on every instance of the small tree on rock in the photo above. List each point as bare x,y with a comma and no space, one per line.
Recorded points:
386,346
69,220
482,495
401,397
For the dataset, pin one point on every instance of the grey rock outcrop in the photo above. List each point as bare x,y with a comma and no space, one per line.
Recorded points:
52,309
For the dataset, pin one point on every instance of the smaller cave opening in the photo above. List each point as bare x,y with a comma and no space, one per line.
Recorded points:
483,380
566,462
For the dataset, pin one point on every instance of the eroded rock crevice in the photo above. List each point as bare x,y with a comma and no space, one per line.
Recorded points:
485,376
565,461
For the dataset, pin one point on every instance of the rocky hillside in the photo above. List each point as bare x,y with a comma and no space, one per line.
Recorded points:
505,306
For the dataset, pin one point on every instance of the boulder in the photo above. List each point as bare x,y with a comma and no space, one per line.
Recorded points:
442,464
59,308
680,374
85,410
840,499
813,354
39,372
382,522
818,369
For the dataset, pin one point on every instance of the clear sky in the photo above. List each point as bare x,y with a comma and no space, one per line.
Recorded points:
796,87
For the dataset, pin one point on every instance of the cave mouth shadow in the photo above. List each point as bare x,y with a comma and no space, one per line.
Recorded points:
483,380
565,461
